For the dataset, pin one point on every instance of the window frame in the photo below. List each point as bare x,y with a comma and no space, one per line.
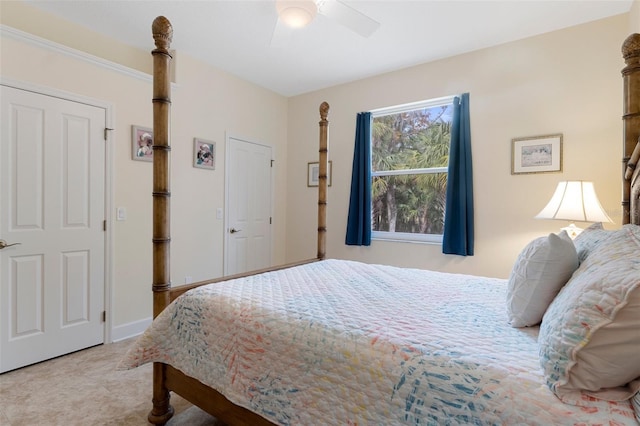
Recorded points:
397,109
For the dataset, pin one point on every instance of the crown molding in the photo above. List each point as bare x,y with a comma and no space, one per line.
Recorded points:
10,32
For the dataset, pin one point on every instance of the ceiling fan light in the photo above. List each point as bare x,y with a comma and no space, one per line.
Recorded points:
296,14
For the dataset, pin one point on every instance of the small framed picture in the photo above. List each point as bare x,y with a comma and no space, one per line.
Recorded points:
536,154
141,143
204,154
313,173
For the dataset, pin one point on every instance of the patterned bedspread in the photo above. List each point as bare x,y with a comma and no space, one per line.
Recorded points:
358,344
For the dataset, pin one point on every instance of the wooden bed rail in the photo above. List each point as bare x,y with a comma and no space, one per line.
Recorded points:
180,290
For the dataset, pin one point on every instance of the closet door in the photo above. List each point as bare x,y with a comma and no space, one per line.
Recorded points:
52,207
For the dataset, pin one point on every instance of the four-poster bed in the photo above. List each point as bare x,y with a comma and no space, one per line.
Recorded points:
305,344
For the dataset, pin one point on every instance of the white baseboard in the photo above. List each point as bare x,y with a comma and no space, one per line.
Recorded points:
129,330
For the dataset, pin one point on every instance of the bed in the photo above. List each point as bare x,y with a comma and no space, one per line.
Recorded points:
330,341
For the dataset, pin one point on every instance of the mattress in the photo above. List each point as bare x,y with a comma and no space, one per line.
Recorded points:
360,344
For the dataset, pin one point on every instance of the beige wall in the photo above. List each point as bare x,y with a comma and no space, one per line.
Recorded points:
565,82
634,17
207,103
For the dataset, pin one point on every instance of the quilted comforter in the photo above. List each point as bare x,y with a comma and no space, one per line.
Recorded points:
346,343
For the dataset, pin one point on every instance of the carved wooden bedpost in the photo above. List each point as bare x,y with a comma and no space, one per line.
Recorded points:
322,181
162,35
631,113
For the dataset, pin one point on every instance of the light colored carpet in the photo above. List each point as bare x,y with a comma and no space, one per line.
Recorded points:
84,388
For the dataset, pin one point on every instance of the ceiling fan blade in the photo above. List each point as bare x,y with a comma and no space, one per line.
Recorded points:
349,17
281,35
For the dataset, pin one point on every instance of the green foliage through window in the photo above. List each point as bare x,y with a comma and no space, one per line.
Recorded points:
410,155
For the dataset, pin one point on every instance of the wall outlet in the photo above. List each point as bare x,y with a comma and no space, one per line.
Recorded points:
188,279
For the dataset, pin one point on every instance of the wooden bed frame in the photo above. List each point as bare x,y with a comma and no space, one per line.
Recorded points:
167,379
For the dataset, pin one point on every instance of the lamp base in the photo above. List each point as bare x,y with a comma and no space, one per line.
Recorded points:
572,230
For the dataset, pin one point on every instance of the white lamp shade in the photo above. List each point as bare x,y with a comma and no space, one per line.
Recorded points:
296,14
574,201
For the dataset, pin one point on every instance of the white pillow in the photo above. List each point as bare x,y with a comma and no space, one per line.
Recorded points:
540,271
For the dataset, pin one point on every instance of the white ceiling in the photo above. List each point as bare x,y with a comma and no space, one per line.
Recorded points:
235,35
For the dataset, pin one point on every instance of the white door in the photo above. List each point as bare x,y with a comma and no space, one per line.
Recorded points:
52,198
248,224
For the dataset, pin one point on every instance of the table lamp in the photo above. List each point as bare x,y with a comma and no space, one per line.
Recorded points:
574,201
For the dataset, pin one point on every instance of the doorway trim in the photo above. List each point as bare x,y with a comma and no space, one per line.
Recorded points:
108,181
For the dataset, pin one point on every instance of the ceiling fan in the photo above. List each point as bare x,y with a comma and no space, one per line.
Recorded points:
294,14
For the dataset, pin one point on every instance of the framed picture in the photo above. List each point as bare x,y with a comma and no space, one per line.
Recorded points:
141,143
313,172
536,154
204,154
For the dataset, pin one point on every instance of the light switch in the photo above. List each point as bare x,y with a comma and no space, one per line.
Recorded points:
121,213
218,213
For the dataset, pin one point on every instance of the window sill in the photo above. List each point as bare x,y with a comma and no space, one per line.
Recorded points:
399,237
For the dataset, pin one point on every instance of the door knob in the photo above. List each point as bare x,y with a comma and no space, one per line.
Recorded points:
234,230
3,244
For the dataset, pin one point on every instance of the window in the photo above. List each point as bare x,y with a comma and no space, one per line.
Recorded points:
409,161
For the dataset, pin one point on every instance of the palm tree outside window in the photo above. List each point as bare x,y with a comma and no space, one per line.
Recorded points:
409,160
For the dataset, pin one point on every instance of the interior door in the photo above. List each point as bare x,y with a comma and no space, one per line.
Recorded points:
52,198
248,225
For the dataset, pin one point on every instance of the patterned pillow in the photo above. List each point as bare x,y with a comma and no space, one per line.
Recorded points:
635,401
540,271
589,337
588,240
